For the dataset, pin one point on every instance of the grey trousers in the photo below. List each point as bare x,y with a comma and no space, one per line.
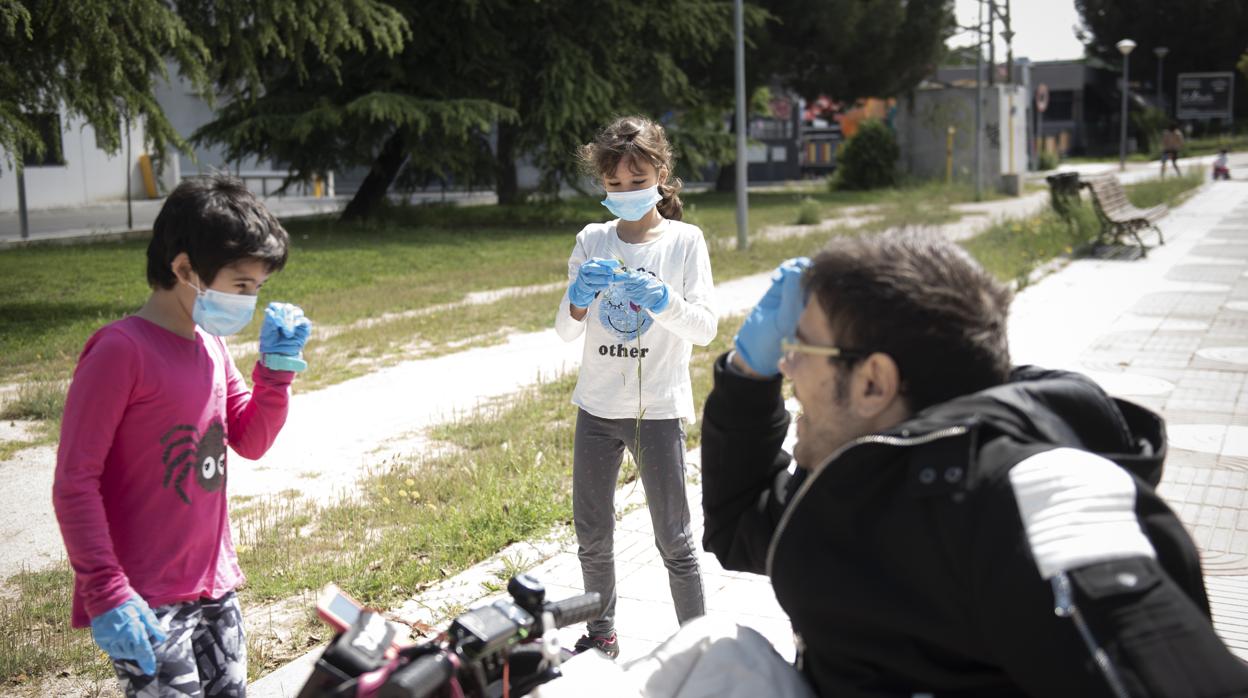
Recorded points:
596,456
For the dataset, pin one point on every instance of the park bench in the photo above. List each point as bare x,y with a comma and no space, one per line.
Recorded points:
1118,215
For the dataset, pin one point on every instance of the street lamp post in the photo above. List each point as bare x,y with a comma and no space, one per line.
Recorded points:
1161,52
1124,47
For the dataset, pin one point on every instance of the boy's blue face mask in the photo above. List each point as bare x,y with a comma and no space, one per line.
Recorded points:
632,205
222,314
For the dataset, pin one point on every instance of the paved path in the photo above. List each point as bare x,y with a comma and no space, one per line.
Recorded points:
1169,331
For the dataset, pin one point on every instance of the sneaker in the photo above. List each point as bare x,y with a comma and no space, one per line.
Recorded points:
607,644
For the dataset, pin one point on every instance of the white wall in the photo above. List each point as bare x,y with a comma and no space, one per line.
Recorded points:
88,176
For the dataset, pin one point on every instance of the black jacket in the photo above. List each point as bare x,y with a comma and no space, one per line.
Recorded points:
905,565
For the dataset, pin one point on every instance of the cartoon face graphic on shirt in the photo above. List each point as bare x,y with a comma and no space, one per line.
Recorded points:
620,316
187,450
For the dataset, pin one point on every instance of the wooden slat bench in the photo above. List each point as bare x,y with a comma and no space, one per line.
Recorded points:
1118,215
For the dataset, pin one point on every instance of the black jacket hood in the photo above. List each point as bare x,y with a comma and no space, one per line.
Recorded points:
1057,407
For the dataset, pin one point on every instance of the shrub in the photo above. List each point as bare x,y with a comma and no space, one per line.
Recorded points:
809,212
1047,160
869,159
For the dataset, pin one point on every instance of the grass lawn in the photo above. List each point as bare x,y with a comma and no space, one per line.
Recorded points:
53,297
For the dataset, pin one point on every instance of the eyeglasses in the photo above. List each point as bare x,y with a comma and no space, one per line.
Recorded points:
792,346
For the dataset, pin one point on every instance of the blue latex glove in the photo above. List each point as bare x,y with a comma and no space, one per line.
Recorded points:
773,319
282,336
593,276
129,632
646,291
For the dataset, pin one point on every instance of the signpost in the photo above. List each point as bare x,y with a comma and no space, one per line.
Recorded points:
1205,95
1042,103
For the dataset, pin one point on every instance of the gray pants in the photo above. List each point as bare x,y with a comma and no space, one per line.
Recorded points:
597,453
205,655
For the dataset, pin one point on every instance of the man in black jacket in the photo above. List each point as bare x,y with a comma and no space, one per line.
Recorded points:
951,526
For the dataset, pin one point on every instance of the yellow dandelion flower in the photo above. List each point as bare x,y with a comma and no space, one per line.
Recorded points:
409,482
385,500
402,493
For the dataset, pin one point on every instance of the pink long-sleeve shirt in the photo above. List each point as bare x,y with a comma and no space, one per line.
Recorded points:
140,487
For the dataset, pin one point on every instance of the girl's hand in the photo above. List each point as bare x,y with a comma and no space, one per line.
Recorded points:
593,276
646,291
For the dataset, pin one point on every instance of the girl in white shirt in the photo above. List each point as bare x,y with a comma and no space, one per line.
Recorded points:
640,290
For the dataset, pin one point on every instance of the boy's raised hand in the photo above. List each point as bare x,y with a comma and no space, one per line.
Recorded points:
594,275
129,631
282,336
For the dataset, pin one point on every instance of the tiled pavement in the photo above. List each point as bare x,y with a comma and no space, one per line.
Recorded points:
1169,331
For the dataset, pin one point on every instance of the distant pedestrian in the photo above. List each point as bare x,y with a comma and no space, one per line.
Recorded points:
641,292
140,484
1171,144
1221,166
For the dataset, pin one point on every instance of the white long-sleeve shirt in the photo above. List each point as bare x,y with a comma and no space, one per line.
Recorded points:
607,386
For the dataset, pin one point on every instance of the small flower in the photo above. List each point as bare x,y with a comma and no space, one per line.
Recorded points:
385,500
402,493
409,482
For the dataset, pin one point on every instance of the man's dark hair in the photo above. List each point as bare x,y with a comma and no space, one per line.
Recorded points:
216,222
923,301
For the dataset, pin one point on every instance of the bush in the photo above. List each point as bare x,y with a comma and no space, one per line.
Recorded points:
1047,160
809,212
869,159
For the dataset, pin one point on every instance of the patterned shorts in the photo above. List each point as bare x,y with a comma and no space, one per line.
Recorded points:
205,654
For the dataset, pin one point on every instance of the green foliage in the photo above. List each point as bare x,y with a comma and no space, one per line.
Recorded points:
809,212
1202,35
854,48
1048,160
100,60
868,160
97,60
1149,123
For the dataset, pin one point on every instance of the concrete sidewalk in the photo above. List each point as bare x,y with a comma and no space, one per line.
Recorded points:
1169,331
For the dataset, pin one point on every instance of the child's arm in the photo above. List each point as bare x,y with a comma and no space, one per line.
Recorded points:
690,314
568,326
98,397
254,417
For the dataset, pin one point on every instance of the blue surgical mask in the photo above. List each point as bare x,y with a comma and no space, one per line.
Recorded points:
632,205
222,314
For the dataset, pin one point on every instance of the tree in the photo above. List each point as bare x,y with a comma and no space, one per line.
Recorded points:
1202,35
426,106
481,83
99,60
846,49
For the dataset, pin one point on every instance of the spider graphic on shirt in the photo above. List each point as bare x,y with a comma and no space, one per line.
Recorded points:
186,450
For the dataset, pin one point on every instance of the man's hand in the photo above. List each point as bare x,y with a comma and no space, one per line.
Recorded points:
775,318
129,632
593,276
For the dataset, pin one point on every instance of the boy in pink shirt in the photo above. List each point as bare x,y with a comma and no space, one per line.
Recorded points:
140,486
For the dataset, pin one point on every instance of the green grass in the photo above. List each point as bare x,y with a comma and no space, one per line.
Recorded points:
1011,250
36,638
53,297
1170,191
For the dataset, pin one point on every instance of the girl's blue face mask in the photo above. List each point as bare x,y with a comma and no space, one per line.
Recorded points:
632,205
222,314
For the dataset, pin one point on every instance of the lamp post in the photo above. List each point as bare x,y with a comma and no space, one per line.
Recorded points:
1124,47
1161,52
